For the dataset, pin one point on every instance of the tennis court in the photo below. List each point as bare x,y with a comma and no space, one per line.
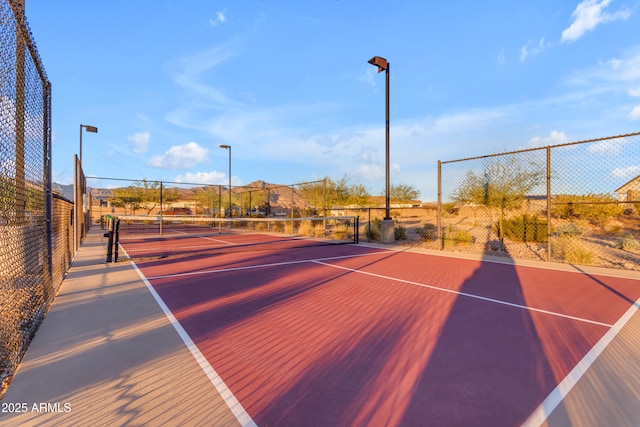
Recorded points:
356,335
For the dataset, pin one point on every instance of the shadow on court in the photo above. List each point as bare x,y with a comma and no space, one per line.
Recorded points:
488,366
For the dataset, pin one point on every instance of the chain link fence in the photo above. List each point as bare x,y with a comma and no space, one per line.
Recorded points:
577,203
35,226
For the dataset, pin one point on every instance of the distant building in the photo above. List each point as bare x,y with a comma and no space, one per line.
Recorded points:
629,191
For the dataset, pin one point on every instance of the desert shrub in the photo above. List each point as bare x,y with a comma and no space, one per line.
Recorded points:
427,232
596,208
400,232
627,242
341,231
524,228
261,226
450,209
306,228
290,227
572,250
374,229
276,226
311,228
613,226
568,230
454,236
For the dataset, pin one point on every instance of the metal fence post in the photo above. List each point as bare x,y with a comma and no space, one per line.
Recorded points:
439,209
548,203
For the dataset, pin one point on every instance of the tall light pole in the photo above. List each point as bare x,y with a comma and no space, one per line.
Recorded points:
387,223
88,128
228,147
79,190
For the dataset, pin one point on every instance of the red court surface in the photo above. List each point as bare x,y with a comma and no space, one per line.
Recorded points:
351,335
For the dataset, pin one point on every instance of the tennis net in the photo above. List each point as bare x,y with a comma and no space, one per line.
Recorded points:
150,237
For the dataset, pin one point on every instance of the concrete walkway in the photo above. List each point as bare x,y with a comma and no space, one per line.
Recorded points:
107,355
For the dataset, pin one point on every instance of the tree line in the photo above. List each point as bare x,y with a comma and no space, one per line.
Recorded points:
326,193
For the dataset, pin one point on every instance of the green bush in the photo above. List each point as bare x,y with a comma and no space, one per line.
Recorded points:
400,232
374,229
595,208
454,237
627,242
568,230
524,228
427,232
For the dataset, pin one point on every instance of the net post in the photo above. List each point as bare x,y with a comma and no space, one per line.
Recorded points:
117,239
356,231
109,238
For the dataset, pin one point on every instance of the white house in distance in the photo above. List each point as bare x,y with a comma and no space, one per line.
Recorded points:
630,191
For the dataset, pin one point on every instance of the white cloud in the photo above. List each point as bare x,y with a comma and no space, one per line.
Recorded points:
524,53
555,137
588,15
220,18
502,58
627,68
213,177
635,113
140,142
532,49
608,147
368,77
635,92
626,173
190,74
61,178
614,75
180,157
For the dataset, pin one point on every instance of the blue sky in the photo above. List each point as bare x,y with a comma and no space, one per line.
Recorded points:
287,85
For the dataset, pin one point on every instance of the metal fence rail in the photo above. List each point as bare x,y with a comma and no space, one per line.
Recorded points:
577,203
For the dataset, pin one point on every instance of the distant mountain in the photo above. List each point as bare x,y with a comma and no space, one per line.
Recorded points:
65,191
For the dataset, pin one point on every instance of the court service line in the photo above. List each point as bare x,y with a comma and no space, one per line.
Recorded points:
203,237
558,394
465,294
227,395
274,264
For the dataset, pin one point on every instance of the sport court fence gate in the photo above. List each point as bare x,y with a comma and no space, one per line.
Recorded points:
36,243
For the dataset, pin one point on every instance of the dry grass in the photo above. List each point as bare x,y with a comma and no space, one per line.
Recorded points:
572,250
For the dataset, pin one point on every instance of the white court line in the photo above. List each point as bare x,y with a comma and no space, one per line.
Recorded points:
496,301
561,391
227,395
202,237
274,264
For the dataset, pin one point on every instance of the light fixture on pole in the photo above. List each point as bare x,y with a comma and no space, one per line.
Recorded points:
88,128
228,147
387,223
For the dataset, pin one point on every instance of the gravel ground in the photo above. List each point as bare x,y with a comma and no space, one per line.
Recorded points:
598,244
